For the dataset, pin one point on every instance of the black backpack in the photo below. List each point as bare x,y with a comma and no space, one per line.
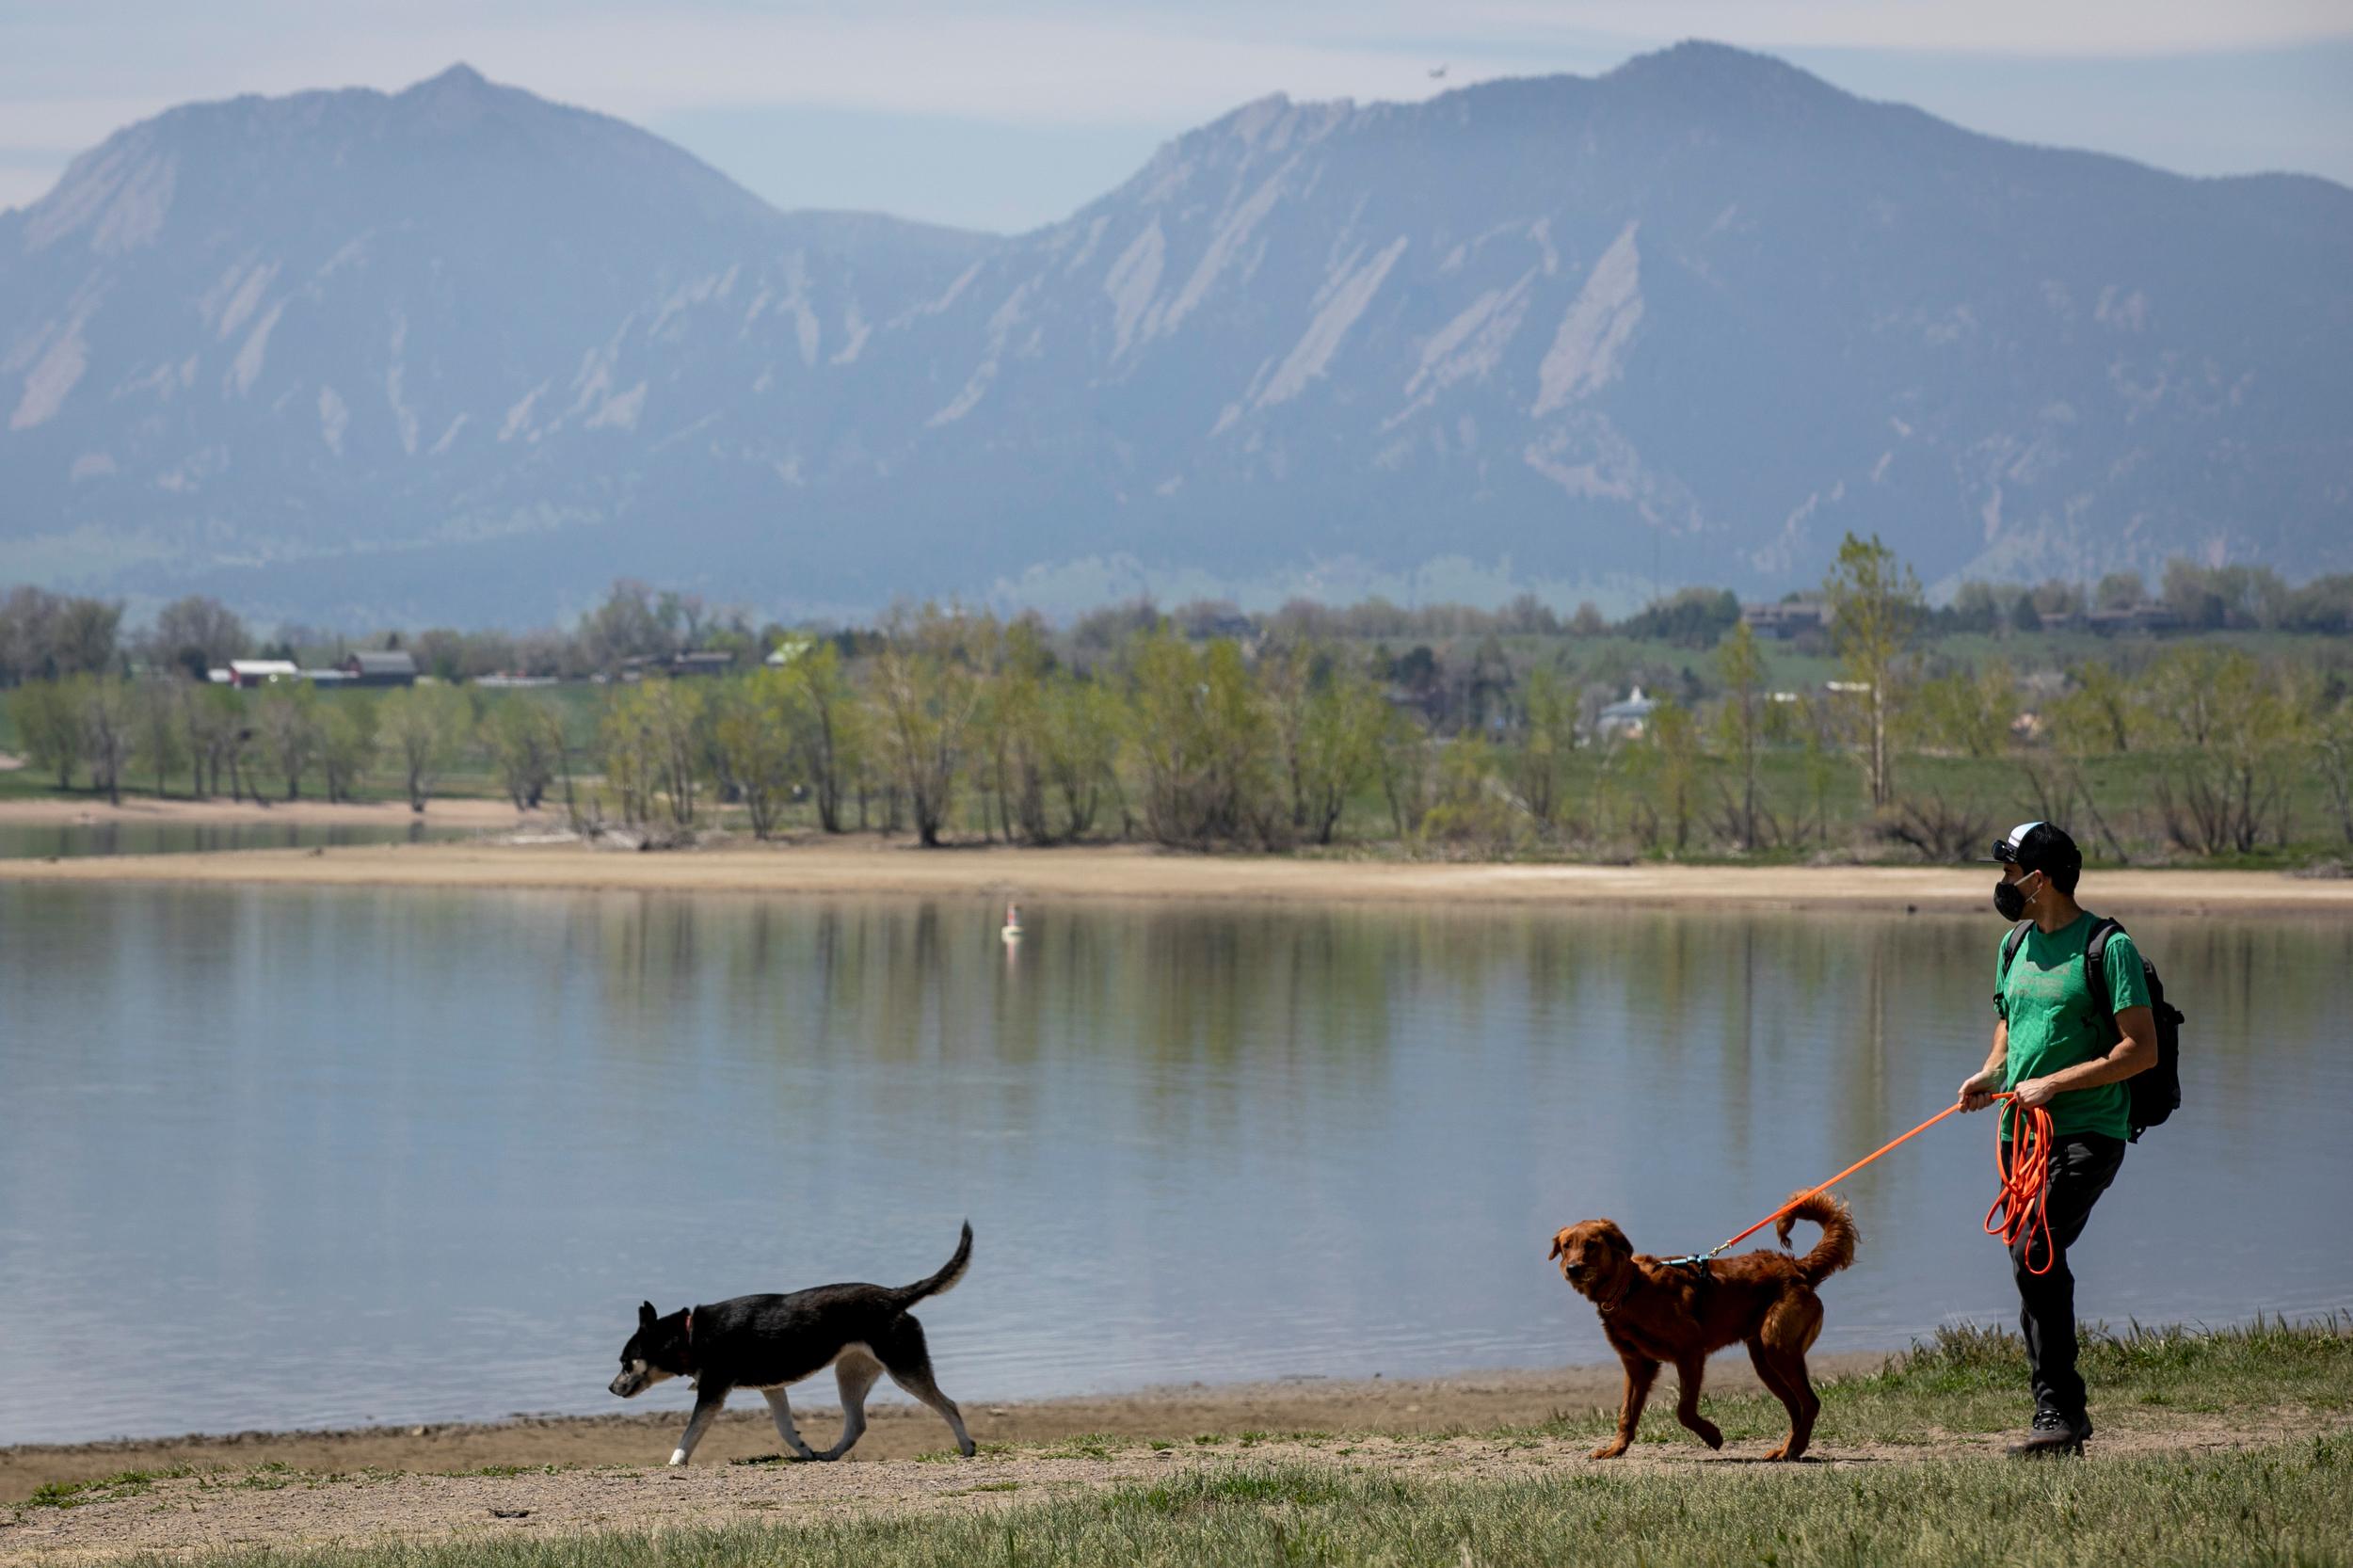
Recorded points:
2157,1093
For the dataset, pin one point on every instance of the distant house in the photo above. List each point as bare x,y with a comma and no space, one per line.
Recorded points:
1234,625
788,649
701,662
1624,720
262,672
390,666
1785,620
2137,617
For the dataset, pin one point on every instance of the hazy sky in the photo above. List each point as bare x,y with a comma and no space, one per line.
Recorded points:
1007,115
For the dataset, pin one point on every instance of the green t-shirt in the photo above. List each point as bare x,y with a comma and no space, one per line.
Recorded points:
2054,1024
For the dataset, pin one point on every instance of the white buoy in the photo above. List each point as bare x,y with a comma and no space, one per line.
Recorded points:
1012,932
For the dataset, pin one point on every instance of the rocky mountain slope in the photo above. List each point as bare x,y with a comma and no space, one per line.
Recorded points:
461,354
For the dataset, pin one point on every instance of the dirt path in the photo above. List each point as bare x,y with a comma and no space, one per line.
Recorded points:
288,1508
869,865
899,1430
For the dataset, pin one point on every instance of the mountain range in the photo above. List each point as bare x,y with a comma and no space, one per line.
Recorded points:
458,353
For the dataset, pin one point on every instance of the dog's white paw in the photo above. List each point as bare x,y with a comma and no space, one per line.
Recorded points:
678,1457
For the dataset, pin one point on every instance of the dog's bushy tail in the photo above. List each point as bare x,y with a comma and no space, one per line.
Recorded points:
1835,1249
944,1281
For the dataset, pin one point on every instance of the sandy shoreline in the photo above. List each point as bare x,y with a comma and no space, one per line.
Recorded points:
869,865
643,1433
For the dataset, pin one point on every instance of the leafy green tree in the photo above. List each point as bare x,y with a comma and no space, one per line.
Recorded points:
216,731
49,726
752,729
927,691
1326,719
1204,744
1405,762
2332,741
346,745
1875,604
1468,806
287,717
1666,763
1081,734
520,734
422,726
1547,746
1966,712
2099,711
2237,736
1345,720
1011,724
108,722
161,718
823,712
1741,722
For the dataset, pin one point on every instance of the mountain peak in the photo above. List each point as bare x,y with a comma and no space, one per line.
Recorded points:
460,77
460,93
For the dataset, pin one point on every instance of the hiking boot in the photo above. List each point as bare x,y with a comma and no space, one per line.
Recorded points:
2051,1433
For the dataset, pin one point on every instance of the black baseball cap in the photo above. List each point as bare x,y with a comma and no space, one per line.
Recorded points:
2038,846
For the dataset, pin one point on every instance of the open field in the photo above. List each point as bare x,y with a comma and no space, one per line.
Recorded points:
853,864
2224,1447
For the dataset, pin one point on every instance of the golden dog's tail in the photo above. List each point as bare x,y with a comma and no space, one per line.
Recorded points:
1835,1249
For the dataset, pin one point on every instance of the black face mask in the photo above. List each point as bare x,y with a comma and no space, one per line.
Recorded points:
2009,900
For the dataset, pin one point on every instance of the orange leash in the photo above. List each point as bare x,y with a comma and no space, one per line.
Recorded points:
2021,1202
2021,1207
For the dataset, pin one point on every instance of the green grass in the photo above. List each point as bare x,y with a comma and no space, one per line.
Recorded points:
2286,1503
100,1488
1974,1380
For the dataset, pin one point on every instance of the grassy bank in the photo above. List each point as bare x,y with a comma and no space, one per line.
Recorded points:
2286,1503
1972,1380
2228,1446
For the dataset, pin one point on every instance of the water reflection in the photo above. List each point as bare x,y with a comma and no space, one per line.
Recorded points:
70,840
330,1156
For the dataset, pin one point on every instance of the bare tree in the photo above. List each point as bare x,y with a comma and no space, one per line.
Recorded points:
199,635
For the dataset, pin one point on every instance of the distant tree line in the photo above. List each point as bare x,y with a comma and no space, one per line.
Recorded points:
45,636
1206,728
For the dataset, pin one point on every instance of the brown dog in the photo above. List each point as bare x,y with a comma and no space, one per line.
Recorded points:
1655,1312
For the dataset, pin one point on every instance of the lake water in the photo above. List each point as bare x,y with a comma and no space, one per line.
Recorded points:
276,1158
67,840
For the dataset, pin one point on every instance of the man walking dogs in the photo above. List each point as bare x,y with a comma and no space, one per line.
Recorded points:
2053,1045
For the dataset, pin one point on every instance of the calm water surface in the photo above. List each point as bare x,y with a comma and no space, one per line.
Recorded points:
66,840
284,1158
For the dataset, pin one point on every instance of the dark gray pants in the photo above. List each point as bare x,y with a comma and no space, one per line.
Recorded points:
2082,1165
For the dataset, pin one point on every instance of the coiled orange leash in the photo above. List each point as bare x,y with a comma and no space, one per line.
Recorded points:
2022,1206
2022,1203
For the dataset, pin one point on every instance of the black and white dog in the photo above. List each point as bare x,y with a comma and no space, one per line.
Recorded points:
766,1342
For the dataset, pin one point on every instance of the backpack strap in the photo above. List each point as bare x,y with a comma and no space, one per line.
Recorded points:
2011,944
2095,966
